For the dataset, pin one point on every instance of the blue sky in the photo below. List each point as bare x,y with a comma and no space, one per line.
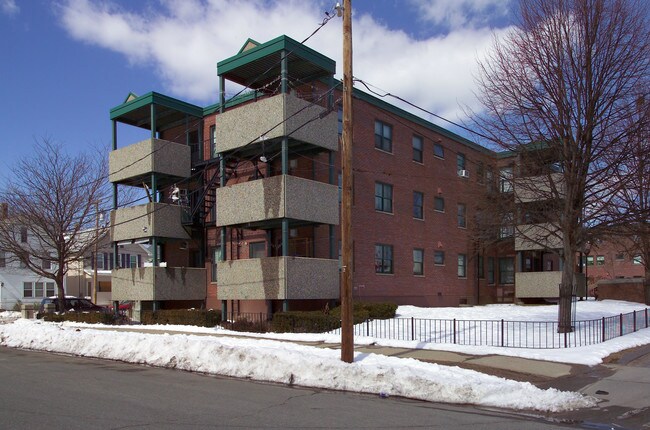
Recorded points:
66,63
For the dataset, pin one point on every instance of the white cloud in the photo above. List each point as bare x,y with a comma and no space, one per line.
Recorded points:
9,7
184,39
455,14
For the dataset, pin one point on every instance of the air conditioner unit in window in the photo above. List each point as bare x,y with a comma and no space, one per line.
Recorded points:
463,173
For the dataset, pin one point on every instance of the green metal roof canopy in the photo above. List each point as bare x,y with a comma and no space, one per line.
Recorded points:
257,66
170,112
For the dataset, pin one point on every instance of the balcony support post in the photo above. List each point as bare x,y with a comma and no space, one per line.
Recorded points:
285,221
115,193
224,310
222,93
153,121
222,183
284,72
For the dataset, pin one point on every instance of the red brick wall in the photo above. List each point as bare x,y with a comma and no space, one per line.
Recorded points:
630,290
440,285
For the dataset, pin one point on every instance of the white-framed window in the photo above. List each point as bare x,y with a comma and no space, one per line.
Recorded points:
28,289
383,197
507,228
418,149
439,258
462,218
506,270
383,258
38,289
418,205
418,261
439,204
505,180
636,259
462,266
383,136
438,150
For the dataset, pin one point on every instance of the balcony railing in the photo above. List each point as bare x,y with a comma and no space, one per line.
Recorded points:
273,117
278,197
135,163
159,283
545,284
278,278
148,220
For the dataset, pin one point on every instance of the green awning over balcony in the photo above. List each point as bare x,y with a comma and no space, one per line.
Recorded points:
258,64
170,112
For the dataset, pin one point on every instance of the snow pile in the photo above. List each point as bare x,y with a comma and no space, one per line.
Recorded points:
9,316
289,363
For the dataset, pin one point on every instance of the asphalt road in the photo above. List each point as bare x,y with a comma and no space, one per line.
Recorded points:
47,391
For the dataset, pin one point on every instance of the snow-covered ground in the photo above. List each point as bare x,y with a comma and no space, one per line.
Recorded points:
275,359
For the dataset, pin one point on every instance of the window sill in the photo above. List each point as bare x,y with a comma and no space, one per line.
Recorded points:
384,151
384,274
385,213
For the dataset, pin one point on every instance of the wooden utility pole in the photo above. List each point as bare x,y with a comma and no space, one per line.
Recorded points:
347,334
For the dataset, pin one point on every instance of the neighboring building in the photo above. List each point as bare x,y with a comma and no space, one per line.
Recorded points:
81,274
244,198
611,260
19,285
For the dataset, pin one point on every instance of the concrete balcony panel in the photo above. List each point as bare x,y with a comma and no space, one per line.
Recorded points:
536,188
148,220
278,278
544,284
272,117
532,237
277,197
135,163
158,283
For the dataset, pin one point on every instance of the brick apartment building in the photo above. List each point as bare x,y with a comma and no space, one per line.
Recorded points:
244,197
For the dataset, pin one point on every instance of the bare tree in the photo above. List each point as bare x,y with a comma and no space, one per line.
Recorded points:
562,84
51,206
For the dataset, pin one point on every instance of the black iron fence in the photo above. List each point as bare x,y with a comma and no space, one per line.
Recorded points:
499,333
504,333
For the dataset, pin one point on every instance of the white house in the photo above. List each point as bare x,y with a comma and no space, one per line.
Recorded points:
20,285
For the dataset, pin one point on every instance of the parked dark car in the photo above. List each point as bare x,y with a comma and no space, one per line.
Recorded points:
72,304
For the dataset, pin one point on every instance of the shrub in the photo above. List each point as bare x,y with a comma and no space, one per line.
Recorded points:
84,317
244,324
364,310
197,317
381,311
304,322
